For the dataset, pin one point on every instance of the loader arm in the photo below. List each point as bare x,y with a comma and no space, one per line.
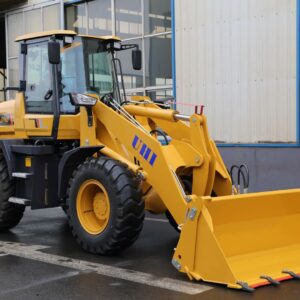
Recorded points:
161,163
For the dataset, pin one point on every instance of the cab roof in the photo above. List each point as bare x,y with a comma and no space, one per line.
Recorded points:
102,37
36,35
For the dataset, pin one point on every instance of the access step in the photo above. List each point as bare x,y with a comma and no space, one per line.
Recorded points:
21,201
21,175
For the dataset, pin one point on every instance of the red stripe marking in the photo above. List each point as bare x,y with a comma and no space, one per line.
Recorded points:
254,286
268,283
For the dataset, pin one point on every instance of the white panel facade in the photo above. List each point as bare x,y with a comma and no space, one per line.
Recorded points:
238,58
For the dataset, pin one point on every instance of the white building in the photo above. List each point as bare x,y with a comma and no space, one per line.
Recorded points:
238,58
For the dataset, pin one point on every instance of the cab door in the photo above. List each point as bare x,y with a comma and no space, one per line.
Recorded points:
39,93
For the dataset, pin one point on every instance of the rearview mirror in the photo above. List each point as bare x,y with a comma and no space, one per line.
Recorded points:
137,59
54,52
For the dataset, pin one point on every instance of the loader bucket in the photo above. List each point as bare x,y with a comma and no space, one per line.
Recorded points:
243,241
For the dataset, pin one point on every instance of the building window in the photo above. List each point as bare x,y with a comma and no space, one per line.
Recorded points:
27,19
99,17
33,20
157,16
158,61
14,28
128,18
133,79
75,18
160,94
143,22
51,17
93,17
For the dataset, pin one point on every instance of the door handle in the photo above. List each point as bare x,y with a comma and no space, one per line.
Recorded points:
48,95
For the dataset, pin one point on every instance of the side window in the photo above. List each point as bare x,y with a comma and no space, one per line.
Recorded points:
39,92
72,77
100,73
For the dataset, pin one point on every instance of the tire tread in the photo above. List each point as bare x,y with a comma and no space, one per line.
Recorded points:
130,206
10,213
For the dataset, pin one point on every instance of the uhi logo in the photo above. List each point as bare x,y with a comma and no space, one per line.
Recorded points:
144,150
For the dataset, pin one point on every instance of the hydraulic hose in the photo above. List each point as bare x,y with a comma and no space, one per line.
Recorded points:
161,133
242,173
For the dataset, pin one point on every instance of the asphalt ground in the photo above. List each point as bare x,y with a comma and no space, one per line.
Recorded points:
39,259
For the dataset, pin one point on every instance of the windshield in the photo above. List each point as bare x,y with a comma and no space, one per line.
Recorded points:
86,69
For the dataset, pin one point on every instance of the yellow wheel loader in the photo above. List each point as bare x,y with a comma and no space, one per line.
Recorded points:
71,138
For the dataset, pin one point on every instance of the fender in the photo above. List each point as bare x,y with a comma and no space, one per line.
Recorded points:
5,146
69,161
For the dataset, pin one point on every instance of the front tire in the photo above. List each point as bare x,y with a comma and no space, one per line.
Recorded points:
10,213
104,206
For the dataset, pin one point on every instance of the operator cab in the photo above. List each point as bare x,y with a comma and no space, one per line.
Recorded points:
85,68
57,64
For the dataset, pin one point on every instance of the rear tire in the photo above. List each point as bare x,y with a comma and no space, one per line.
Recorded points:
10,213
116,220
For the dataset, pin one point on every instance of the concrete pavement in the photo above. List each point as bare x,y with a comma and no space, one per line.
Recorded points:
39,259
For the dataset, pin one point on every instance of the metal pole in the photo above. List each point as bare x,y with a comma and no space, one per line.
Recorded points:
62,15
113,17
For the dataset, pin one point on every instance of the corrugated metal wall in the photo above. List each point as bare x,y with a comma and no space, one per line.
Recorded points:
238,58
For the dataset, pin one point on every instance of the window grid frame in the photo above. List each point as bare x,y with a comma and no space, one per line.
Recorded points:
22,10
144,89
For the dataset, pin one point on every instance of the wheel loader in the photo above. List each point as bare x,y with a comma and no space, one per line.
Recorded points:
71,138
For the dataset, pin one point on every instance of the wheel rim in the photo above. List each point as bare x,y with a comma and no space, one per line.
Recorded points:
93,207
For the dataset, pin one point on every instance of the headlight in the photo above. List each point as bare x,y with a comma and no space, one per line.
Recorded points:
114,46
117,45
82,100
